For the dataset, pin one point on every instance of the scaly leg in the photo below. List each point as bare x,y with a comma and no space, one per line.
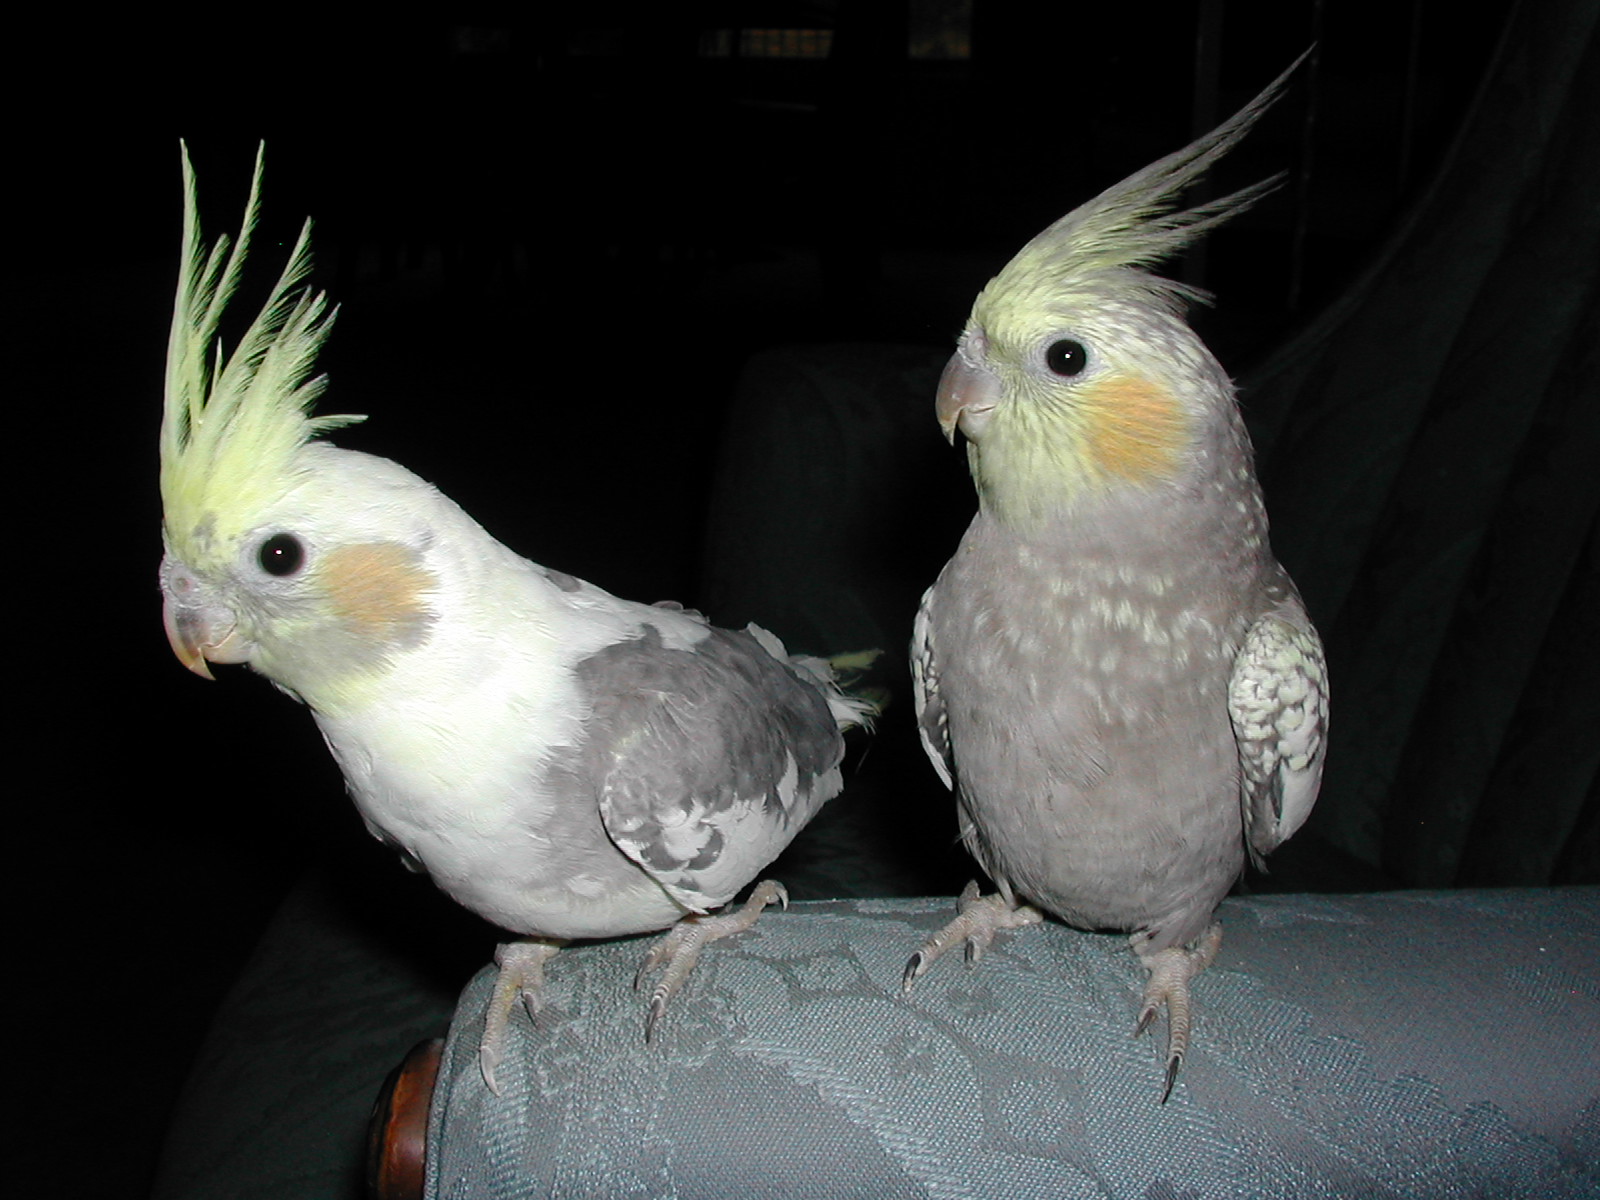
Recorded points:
981,917
680,949
521,974
1170,972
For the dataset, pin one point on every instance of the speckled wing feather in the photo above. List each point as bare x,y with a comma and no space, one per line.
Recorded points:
1278,702
706,760
932,725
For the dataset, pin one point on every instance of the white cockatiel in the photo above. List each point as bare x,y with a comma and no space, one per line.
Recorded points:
1113,672
562,762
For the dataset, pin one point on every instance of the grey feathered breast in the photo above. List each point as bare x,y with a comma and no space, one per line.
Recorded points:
1089,744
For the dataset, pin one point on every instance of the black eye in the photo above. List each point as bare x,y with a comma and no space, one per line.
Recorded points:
1066,357
281,554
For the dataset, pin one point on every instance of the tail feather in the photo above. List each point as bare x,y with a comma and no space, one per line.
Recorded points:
850,709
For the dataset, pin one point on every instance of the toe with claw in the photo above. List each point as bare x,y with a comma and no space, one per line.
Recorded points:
680,949
1170,972
980,918
521,974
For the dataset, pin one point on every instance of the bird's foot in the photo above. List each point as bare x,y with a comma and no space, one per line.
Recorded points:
521,974
1170,972
981,917
681,947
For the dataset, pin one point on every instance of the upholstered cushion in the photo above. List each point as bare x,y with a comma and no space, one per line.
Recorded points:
1416,1044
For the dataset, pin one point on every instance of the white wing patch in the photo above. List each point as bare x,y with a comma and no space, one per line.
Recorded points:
933,724
1278,700
704,852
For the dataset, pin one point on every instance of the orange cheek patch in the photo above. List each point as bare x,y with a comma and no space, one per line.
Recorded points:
1134,429
378,588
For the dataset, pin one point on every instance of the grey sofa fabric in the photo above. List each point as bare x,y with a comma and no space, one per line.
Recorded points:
1391,1045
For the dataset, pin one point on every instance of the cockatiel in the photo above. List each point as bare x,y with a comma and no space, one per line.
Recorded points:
562,762
1113,673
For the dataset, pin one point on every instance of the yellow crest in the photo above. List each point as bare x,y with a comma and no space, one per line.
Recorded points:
232,423
1108,243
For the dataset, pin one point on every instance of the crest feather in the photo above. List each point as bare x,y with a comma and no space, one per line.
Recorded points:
1132,225
232,424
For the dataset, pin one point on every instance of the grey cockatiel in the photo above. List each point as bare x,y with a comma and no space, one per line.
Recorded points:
1113,673
565,763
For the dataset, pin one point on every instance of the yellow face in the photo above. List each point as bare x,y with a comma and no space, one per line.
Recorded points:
1072,398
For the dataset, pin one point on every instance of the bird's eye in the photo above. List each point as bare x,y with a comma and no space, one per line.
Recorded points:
281,554
1066,357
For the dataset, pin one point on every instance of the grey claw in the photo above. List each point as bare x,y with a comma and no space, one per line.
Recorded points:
1172,1076
913,969
487,1062
658,1007
1147,1016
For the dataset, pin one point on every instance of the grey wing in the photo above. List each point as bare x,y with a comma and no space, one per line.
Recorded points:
1278,701
933,726
707,760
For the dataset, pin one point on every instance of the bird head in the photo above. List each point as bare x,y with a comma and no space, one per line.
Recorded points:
1076,376
302,559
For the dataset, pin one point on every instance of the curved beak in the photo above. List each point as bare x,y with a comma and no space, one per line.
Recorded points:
186,634
967,397
198,629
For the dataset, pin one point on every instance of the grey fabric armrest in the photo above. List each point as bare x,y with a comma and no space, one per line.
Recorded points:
1412,1044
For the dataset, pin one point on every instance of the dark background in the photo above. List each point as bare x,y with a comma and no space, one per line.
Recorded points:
557,241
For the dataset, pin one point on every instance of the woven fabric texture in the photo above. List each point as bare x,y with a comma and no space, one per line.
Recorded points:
1417,1044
